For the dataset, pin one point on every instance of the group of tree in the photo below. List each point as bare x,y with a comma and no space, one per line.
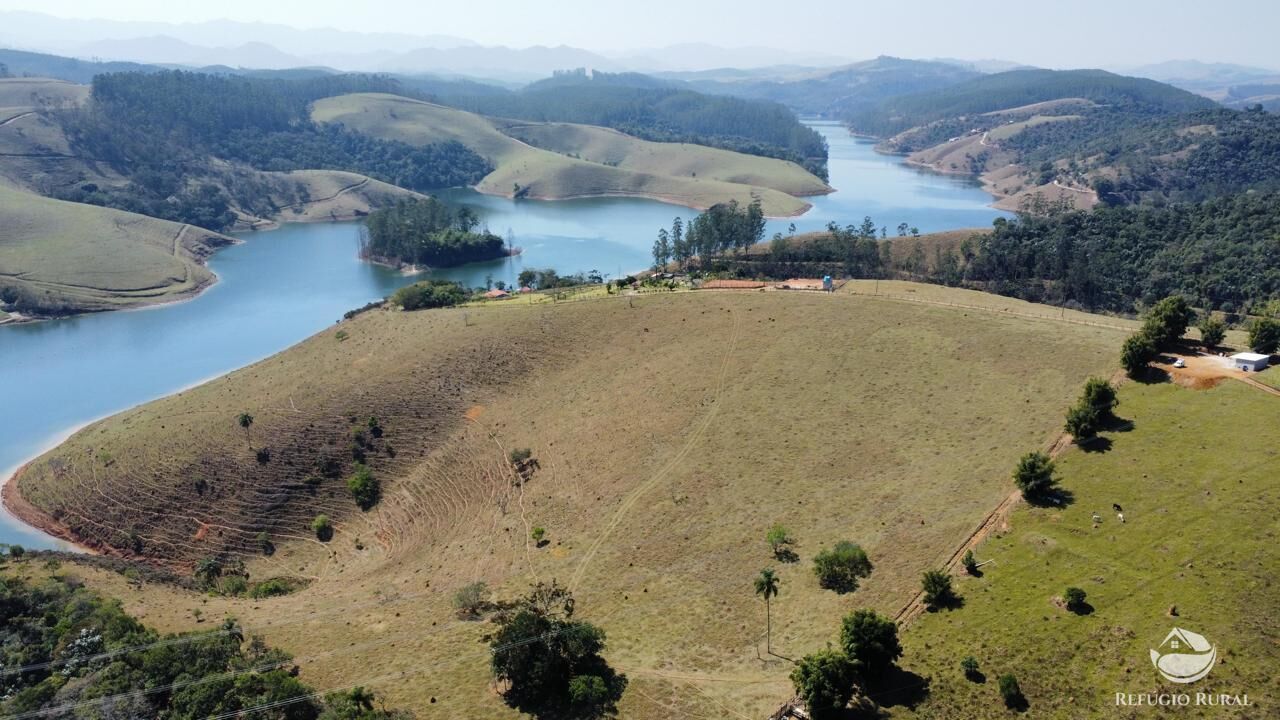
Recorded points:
426,231
829,679
1165,324
722,228
68,652
656,110
549,663
165,131
429,294
1092,411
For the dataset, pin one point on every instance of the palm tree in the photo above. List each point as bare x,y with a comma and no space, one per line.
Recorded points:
767,587
246,420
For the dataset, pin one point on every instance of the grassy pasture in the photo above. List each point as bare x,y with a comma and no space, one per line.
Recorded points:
68,256
541,173
34,92
671,431
1200,502
335,195
616,149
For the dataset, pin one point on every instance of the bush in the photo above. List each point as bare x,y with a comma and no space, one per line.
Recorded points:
1264,335
840,567
970,562
970,667
1075,598
1011,692
937,588
429,294
870,639
518,456
780,541
364,487
1034,475
272,588
538,534
1212,331
471,600
825,681
323,528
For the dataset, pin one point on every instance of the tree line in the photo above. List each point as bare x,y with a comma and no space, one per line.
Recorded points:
428,232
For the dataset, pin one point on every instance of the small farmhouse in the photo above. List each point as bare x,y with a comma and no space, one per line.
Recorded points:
1250,361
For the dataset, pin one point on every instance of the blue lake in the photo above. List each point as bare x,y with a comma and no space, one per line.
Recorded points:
281,286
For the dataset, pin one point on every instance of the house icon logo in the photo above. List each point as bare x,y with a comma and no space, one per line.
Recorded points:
1184,656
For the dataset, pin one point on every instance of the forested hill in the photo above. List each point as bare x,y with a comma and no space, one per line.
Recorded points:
1135,97
844,91
654,110
167,130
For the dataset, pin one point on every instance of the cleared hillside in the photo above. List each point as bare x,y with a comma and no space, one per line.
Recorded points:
670,432
58,257
535,173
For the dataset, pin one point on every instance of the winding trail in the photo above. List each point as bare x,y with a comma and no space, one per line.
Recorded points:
620,514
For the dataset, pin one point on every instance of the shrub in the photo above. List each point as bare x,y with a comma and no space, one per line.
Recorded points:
364,487
1011,692
840,567
1034,475
234,586
937,588
429,294
1212,331
970,562
322,527
17,551
265,545
471,599
538,534
825,681
870,639
780,541
1264,335
271,588
519,455
1075,598
970,667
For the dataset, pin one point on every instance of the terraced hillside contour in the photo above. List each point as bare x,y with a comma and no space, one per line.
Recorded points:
670,432
623,166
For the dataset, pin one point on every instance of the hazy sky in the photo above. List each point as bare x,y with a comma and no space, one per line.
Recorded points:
1064,33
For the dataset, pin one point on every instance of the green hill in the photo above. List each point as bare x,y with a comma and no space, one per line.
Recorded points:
527,171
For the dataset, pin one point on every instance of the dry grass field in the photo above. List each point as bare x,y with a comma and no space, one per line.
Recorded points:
543,174
61,256
671,431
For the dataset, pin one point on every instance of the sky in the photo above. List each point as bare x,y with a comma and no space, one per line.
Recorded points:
1079,33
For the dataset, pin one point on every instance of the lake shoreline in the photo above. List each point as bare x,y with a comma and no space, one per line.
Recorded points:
33,517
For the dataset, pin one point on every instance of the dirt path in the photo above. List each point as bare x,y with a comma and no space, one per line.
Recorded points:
18,117
343,191
649,484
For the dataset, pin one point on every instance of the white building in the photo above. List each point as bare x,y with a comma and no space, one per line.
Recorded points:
1250,361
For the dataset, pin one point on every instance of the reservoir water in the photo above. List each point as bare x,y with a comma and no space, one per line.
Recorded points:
281,286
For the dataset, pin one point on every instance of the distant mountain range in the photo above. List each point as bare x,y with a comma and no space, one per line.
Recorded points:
1235,86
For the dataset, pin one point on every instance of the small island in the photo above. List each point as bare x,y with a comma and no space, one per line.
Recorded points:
427,232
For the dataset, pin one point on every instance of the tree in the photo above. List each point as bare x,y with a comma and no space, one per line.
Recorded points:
1136,352
1075,598
661,250
1168,319
364,487
548,660
1264,335
1099,395
970,667
970,562
825,680
1212,331
538,534
870,639
207,571
527,277
767,587
840,567
471,599
1083,422
937,588
780,542
1034,475
1011,692
245,420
